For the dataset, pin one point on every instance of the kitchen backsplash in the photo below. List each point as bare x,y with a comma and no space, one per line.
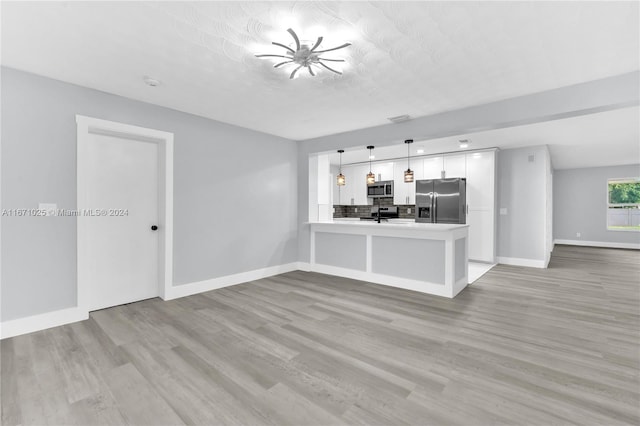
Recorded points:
365,209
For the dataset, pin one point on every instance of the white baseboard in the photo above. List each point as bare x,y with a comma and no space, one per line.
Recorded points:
404,283
517,261
605,244
215,283
39,322
304,266
65,316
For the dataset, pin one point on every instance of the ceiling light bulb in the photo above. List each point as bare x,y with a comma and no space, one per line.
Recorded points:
372,157
420,151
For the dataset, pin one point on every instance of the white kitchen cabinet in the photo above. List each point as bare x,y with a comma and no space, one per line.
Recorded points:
354,192
432,168
481,235
383,171
346,191
477,167
480,173
405,193
481,180
360,185
455,166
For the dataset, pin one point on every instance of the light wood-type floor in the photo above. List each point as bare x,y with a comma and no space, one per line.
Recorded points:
519,346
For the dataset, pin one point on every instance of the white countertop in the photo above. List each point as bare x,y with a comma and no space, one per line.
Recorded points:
392,224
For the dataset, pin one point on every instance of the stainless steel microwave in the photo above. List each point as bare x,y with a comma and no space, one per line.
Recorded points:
383,188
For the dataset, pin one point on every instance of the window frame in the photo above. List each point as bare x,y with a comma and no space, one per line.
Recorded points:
620,205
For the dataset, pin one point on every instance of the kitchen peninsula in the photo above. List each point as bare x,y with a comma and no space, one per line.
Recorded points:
426,257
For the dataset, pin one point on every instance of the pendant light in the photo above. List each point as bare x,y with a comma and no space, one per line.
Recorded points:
371,178
341,178
408,174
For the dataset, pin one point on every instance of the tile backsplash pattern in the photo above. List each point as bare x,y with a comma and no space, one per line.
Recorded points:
365,210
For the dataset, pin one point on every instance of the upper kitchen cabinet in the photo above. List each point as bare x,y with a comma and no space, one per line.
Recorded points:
354,192
481,180
455,166
383,171
347,191
405,193
432,168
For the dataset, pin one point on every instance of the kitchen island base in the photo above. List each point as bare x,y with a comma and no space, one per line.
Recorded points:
429,258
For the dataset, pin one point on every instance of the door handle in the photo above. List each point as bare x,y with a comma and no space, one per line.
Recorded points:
435,207
154,228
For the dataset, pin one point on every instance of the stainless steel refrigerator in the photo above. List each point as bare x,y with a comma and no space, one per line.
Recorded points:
441,200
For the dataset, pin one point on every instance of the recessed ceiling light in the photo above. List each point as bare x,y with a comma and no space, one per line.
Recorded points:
464,143
420,151
399,118
151,81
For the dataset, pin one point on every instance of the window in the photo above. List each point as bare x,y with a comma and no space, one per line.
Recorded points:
623,200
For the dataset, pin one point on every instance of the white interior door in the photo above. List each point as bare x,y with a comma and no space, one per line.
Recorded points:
122,256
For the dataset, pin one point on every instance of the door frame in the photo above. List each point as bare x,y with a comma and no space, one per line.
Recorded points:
86,126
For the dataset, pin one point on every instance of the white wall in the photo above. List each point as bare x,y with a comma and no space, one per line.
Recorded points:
234,191
580,206
522,191
549,209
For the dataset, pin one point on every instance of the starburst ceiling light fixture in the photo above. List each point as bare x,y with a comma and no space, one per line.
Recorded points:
304,55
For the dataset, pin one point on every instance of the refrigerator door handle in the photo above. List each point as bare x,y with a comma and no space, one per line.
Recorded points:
435,208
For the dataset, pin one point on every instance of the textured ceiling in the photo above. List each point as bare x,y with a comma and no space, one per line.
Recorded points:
603,139
415,58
